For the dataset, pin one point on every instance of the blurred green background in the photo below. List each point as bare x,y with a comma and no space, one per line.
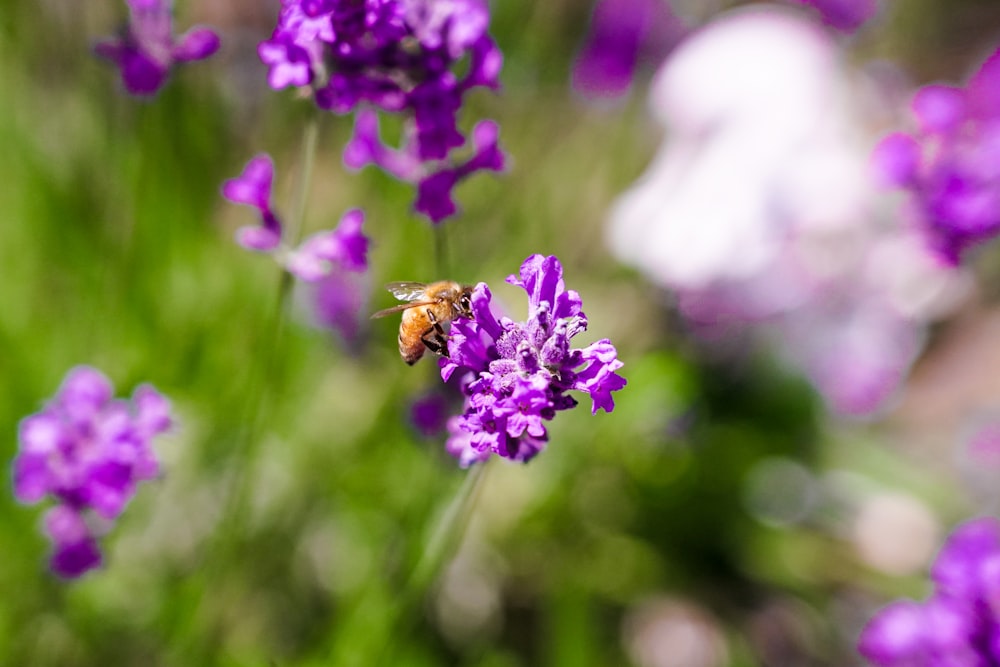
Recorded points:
715,511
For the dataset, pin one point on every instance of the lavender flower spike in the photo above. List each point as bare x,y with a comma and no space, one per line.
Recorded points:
147,49
959,624
415,58
88,451
517,374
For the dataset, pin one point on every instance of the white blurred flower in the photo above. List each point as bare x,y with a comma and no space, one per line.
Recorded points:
759,207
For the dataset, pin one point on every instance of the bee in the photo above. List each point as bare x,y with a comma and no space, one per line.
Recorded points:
429,307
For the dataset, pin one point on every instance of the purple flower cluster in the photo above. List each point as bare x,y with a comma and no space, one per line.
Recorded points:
147,49
959,624
951,165
400,56
87,450
516,374
343,248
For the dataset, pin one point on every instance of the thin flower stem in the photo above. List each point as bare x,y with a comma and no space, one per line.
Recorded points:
441,253
263,384
444,540
310,139
261,388
448,533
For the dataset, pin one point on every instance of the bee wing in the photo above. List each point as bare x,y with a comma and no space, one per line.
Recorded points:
400,308
407,291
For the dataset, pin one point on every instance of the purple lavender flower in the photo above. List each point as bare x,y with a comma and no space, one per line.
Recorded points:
951,164
88,451
253,188
147,49
345,247
417,58
518,373
959,624
621,34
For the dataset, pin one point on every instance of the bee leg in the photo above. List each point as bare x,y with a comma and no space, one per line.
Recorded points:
436,340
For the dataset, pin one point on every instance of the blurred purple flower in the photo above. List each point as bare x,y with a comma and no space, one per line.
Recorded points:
336,301
417,58
429,414
343,248
147,49
253,188
434,192
88,451
950,165
959,624
623,32
844,15
518,373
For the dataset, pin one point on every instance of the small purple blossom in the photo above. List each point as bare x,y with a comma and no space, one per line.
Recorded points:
516,375
253,188
950,165
416,58
959,624
88,451
147,49
345,247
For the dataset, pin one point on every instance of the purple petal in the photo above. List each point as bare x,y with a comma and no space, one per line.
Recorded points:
196,44
896,159
599,378
84,392
957,567
142,75
983,91
939,109
253,186
607,62
152,411
33,478
337,301
289,64
352,245
109,487
895,634
75,548
366,147
258,239
434,195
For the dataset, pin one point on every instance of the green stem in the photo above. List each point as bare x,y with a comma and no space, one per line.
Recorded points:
441,546
261,387
441,253
310,138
